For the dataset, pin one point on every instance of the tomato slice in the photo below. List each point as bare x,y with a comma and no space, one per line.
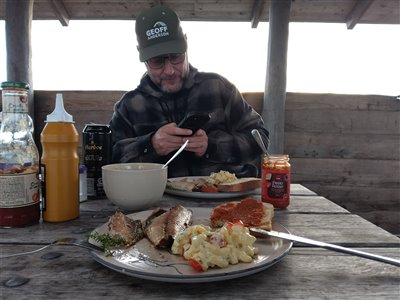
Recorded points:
195,264
209,189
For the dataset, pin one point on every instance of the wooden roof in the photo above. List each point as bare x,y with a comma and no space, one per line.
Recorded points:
350,12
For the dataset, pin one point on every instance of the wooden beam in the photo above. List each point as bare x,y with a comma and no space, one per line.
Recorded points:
275,85
18,23
357,12
256,13
61,11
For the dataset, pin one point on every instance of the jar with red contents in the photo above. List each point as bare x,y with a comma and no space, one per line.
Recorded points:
275,180
19,159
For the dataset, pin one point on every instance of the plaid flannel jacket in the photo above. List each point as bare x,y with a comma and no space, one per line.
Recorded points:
139,113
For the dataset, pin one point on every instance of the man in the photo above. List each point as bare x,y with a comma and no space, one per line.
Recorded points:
144,123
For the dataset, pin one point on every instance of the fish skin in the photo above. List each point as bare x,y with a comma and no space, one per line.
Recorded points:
155,230
130,230
178,220
155,213
162,229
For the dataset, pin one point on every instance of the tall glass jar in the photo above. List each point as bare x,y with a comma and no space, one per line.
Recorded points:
19,159
275,180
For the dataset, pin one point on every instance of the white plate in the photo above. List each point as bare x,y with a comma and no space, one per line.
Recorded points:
145,261
202,195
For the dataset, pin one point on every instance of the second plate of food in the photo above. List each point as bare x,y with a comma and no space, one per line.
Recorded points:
175,186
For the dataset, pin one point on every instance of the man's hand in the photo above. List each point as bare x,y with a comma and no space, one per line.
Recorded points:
198,143
170,137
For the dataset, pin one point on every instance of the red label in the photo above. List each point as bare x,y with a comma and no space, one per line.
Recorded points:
278,185
275,187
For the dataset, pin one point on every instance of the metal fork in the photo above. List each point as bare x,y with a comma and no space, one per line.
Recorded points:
60,242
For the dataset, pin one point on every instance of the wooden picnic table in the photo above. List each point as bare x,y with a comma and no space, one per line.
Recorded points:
67,272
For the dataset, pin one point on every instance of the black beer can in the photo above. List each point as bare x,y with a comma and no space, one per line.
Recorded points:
96,153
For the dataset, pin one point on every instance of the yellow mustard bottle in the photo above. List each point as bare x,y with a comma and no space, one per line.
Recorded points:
60,166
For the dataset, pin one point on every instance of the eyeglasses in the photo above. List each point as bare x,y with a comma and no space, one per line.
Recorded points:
159,61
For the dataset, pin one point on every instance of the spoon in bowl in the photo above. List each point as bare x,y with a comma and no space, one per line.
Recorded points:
176,154
257,136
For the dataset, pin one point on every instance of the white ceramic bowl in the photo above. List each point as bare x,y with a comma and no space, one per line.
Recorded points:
134,186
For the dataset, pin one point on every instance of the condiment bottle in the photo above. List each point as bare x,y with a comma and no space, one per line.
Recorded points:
275,180
60,166
19,159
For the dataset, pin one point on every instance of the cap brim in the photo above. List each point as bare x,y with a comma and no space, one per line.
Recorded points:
176,46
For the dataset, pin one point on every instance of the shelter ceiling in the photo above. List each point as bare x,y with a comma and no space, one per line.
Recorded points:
350,12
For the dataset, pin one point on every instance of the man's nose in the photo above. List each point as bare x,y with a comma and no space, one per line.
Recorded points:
168,67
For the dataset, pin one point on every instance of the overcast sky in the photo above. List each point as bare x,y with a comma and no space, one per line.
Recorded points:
322,58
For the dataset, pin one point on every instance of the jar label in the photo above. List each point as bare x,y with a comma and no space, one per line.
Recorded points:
277,185
19,190
15,104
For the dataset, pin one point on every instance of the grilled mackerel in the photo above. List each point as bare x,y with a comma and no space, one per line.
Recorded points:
161,227
130,230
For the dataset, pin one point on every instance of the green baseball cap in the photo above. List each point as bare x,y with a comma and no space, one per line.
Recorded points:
159,32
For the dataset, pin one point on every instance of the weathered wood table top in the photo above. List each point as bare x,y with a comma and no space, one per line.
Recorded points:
306,273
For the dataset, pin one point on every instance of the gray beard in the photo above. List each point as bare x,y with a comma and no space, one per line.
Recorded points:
167,90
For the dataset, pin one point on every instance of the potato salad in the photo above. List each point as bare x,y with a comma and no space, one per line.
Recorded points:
205,248
221,177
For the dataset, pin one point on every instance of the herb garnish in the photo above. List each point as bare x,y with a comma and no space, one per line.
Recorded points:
108,242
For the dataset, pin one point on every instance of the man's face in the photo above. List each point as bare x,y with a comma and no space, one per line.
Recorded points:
168,72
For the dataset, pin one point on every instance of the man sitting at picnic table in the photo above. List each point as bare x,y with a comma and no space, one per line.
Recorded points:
144,123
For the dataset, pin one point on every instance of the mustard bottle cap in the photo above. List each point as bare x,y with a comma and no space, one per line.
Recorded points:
59,114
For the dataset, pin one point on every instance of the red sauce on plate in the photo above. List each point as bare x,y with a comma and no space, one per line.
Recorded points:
249,210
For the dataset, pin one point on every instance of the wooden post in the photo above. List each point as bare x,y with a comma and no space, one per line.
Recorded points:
275,86
18,19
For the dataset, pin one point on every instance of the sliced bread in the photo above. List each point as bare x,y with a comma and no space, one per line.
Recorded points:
240,185
252,212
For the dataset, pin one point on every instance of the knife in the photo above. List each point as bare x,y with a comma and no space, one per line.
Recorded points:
264,233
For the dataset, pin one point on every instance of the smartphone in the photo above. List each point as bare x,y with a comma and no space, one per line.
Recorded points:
194,121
